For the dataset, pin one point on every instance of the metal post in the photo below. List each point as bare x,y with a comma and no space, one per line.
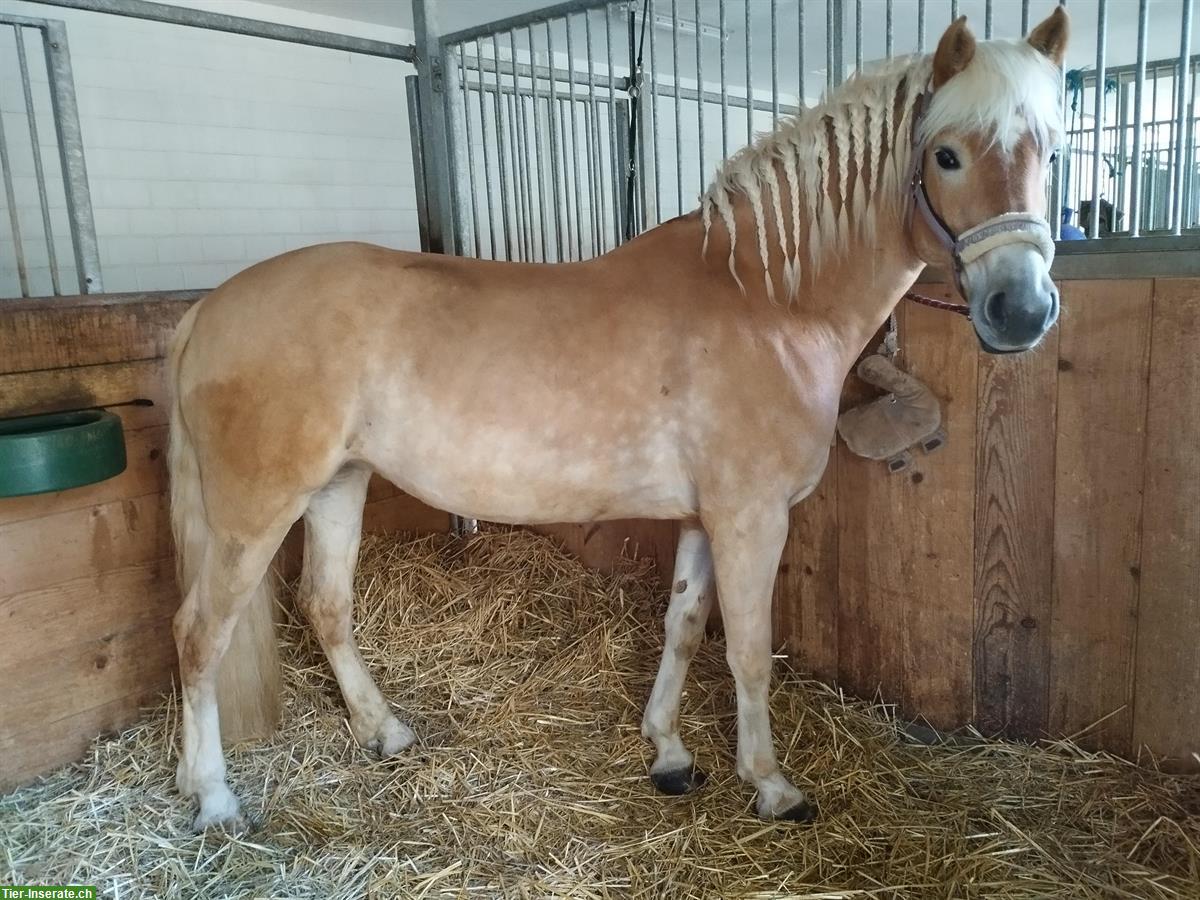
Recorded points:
1024,17
774,64
466,106
858,35
654,118
36,145
700,99
552,115
13,218
749,81
1181,80
574,145
413,93
987,20
434,144
70,149
800,43
724,82
537,151
678,120
890,43
920,26
1098,116
487,161
618,189
501,162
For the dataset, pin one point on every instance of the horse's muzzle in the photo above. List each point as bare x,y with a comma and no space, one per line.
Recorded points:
1015,303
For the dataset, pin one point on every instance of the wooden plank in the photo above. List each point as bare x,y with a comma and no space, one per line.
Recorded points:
1103,348
139,387
1014,537
905,557
83,542
1166,716
55,335
403,513
145,473
53,710
806,589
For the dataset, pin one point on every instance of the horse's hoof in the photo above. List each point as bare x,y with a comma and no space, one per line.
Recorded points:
391,739
803,812
679,781
220,810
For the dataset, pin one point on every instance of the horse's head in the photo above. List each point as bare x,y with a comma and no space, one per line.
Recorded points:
985,137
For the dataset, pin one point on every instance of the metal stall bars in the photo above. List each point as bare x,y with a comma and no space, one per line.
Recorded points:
69,144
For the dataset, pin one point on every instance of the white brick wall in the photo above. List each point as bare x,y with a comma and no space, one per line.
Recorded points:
208,152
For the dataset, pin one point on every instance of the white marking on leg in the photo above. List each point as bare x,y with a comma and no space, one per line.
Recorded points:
333,525
691,599
746,555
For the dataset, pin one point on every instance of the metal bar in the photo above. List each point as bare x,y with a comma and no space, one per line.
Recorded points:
1024,17
678,123
774,62
14,220
654,118
39,172
435,151
71,157
413,93
800,51
1056,179
1184,72
574,147
829,82
522,123
953,10
552,113
839,41
466,102
589,149
599,209
522,20
617,189
622,162
195,18
700,98
1098,115
553,162
724,82
455,139
987,20
487,161
749,82
890,40
637,129
921,26
500,159
858,35
539,168
518,181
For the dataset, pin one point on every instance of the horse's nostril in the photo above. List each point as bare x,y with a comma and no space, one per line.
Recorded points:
994,311
1052,312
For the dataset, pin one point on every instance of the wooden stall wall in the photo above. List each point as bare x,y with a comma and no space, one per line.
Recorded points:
1040,575
87,586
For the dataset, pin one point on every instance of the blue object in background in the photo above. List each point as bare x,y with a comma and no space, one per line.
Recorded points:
1070,232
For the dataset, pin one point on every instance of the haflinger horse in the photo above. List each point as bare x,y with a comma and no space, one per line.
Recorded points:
693,374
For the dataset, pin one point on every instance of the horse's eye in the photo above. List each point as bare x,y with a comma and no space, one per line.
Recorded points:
947,159
1054,157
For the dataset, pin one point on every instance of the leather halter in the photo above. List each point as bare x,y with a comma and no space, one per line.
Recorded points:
1006,228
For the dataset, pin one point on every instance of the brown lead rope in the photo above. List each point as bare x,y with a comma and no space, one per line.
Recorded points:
961,308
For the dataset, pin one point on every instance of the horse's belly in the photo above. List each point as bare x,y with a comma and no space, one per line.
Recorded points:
518,479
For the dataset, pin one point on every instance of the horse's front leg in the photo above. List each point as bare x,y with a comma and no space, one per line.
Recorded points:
746,548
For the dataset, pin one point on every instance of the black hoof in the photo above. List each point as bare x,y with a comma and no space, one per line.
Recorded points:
679,781
803,812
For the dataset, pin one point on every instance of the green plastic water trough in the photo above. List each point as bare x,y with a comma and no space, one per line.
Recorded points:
55,452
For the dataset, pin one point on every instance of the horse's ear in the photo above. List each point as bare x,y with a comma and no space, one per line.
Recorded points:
1050,38
954,52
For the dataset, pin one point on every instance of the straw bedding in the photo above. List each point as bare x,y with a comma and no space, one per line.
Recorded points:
524,676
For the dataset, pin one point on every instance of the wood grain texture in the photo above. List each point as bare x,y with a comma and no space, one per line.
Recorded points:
141,383
599,545
64,332
1014,536
1166,714
80,657
1103,356
806,589
905,558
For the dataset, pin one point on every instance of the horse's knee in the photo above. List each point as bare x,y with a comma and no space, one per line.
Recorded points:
749,667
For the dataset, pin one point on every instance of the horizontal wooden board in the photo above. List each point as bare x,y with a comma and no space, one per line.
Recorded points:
600,545
85,542
57,333
139,387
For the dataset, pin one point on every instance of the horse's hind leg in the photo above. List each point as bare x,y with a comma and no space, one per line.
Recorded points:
674,771
333,526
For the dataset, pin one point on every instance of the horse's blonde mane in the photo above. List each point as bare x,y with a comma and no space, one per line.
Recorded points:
1008,89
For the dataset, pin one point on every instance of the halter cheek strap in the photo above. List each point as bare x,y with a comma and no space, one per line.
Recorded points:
1006,228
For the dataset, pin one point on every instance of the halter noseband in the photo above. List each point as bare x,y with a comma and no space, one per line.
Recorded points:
1006,228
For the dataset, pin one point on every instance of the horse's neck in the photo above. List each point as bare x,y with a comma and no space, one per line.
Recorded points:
848,291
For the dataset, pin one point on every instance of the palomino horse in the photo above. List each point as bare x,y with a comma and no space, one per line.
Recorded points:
692,374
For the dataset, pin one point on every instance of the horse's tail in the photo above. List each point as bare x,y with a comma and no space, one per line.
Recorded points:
248,681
